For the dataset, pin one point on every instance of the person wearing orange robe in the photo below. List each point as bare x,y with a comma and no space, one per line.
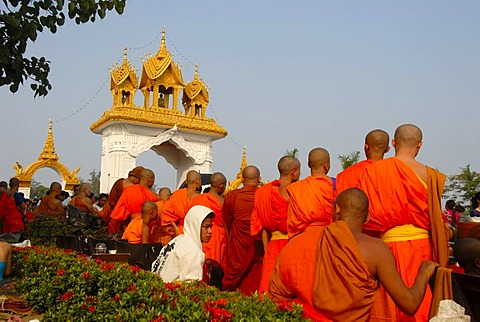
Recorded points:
244,252
11,217
138,231
82,200
130,203
177,206
217,246
399,214
311,199
269,215
333,271
117,189
49,204
159,234
376,145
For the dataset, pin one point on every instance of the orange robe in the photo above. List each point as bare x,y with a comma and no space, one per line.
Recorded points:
130,203
159,233
311,202
270,213
344,294
176,209
47,207
133,232
78,202
11,218
349,177
244,259
217,246
113,197
398,197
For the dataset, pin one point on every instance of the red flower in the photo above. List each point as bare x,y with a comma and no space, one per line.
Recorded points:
25,258
158,319
61,272
67,296
107,267
221,302
90,299
86,275
68,251
285,306
91,309
171,287
83,305
98,260
135,269
131,288
116,298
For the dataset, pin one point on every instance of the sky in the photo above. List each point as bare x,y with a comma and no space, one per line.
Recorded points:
282,75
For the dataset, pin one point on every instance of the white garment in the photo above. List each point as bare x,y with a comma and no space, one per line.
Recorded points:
66,201
182,258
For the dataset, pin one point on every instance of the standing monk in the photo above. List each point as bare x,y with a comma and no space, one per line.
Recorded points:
269,216
244,252
376,145
399,189
178,205
10,216
157,233
117,189
49,204
213,199
311,199
130,203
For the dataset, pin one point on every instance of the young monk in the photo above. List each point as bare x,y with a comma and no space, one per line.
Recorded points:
159,234
344,267
137,231
50,204
269,216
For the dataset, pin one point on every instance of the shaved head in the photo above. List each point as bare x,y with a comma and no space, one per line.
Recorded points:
55,186
217,179
286,164
164,193
147,206
408,135
467,253
353,204
317,158
83,187
192,177
377,140
251,172
146,174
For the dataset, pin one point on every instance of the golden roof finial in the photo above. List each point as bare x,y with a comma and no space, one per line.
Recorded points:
244,159
163,47
238,179
125,55
48,151
195,75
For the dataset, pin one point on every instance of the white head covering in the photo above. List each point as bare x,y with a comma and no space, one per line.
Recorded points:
193,222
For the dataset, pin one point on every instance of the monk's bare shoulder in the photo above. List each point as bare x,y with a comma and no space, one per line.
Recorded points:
373,250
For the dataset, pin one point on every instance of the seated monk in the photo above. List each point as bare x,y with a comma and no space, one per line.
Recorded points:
342,282
82,200
159,234
130,203
137,231
49,204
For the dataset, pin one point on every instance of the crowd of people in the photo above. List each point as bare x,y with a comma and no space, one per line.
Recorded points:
361,245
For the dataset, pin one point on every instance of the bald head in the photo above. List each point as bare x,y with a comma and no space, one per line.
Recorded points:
408,135
377,142
352,204
467,253
147,178
251,176
217,179
84,187
55,186
164,193
147,206
193,176
318,158
149,211
286,164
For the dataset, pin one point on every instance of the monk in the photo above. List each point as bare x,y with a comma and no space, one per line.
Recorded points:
269,216
82,199
311,199
10,216
50,205
117,189
159,234
137,231
217,246
131,201
400,214
376,145
244,252
467,253
346,265
178,205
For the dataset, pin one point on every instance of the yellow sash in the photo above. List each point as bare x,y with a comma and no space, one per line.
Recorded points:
276,235
405,232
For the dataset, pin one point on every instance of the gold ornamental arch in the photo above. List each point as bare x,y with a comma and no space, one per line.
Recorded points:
48,159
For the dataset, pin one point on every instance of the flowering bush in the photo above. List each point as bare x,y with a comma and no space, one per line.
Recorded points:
66,287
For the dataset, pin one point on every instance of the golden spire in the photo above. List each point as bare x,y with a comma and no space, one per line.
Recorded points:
163,47
238,179
244,160
48,151
125,61
195,75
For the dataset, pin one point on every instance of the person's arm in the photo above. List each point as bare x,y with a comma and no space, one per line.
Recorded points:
408,300
145,232
88,203
264,239
8,267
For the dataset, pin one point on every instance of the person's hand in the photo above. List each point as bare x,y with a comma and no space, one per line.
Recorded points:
428,268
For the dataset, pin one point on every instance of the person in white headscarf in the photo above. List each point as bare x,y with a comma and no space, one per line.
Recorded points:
182,258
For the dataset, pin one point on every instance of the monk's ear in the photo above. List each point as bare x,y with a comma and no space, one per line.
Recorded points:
419,145
387,149
394,143
476,262
367,218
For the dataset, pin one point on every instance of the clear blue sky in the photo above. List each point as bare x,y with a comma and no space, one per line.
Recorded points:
281,75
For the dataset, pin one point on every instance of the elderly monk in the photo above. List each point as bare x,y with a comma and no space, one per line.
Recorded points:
348,293
117,189
159,234
244,252
178,205
49,204
82,200
405,207
213,199
376,145
137,231
10,216
269,216
311,199
131,201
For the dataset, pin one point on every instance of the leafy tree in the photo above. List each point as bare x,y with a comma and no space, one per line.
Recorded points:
292,153
20,23
37,190
350,159
463,185
94,181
